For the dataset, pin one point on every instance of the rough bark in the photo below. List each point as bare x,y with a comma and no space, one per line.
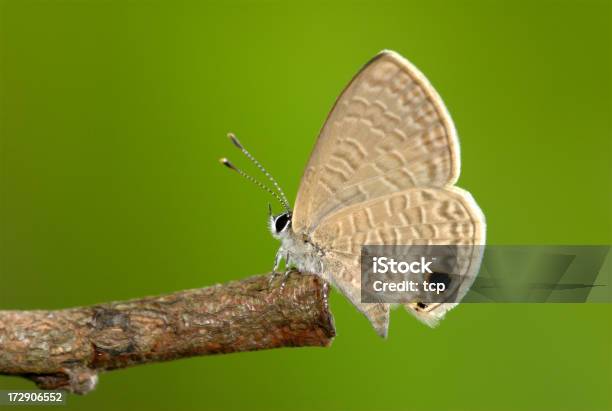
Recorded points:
66,349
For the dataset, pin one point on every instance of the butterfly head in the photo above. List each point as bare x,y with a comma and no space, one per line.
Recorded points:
280,224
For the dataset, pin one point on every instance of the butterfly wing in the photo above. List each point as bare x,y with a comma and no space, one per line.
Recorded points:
387,157
343,272
388,130
416,216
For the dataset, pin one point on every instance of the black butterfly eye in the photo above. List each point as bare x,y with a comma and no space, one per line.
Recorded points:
281,222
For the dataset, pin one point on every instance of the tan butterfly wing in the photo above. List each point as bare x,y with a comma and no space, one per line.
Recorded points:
416,216
386,158
342,271
388,131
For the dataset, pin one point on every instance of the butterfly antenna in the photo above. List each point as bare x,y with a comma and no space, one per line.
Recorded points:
237,143
259,184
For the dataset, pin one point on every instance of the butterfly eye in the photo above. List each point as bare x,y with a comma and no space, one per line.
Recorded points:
281,222
443,278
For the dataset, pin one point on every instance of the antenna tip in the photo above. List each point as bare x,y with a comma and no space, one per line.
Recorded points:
234,140
227,163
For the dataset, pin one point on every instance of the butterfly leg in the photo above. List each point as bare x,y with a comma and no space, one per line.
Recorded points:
289,269
277,260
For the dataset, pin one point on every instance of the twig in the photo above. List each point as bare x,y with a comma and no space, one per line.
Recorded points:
66,349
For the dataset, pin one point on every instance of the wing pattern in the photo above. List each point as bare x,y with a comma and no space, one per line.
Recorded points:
382,172
388,131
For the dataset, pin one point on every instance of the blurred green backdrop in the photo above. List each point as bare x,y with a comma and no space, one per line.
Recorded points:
114,113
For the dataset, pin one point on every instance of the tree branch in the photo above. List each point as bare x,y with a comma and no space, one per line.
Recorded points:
66,349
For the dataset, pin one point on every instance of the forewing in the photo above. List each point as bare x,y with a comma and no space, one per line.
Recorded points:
388,131
416,216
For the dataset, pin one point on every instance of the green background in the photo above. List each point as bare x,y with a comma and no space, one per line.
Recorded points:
114,113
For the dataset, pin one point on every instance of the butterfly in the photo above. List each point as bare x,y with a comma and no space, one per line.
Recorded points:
382,171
